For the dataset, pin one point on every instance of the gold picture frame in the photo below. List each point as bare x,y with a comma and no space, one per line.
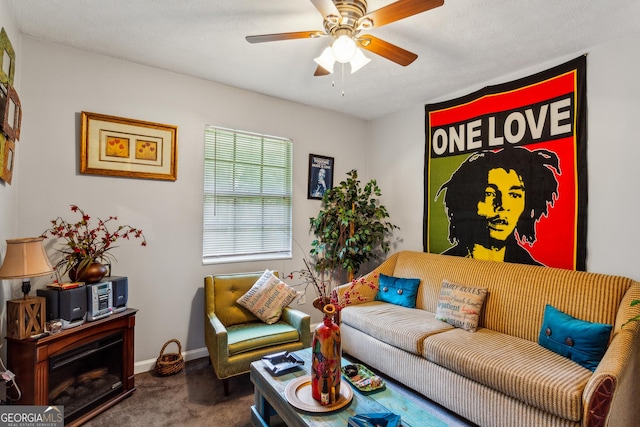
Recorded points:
7,59
7,155
116,146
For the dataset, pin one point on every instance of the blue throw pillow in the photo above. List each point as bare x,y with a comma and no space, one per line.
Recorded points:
398,290
583,342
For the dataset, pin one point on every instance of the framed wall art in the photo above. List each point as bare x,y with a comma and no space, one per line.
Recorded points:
117,146
7,155
7,59
320,176
10,112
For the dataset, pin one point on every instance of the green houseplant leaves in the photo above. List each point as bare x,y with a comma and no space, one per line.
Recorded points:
351,228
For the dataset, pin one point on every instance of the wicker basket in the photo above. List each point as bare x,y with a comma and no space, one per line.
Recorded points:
169,363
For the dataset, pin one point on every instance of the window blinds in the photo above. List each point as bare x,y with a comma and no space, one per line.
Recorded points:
247,196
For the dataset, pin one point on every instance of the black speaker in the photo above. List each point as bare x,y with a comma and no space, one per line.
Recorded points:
119,292
69,305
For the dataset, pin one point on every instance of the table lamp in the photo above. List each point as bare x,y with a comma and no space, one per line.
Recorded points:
25,258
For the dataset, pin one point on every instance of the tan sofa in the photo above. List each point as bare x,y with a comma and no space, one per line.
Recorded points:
499,375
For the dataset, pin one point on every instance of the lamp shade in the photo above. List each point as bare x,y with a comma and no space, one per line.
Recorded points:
358,61
344,47
25,258
326,60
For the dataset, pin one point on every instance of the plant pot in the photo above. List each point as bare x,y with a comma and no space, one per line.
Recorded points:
92,273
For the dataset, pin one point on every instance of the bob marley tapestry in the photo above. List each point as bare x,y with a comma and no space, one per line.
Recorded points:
506,173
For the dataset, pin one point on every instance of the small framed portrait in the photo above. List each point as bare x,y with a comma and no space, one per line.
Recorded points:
7,59
7,154
10,112
320,176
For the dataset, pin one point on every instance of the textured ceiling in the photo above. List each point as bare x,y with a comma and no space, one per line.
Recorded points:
461,44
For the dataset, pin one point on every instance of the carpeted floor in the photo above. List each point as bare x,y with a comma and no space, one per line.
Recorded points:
193,397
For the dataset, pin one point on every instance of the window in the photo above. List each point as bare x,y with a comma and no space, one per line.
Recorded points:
247,196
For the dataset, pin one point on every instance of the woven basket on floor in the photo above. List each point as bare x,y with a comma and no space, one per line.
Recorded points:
169,363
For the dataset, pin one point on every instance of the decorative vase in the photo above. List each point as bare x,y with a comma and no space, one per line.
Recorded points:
92,273
326,353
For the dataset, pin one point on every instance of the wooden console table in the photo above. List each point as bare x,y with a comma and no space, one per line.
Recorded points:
29,359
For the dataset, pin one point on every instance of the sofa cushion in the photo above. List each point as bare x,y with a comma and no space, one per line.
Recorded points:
397,290
581,341
516,367
254,335
395,325
460,305
267,297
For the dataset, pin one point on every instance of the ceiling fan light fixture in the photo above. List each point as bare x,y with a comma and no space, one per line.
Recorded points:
326,59
344,48
358,61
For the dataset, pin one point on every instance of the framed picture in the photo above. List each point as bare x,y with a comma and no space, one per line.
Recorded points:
10,111
116,146
7,154
7,59
320,176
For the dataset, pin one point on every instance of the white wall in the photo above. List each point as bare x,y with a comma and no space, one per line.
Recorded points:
397,144
166,277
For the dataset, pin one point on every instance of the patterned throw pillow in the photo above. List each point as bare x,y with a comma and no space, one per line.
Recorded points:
267,297
460,305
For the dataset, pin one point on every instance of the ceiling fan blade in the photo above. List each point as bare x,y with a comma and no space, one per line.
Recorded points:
326,8
387,50
399,10
285,36
320,71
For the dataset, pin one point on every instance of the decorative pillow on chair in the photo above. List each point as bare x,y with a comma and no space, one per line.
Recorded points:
460,305
583,342
398,290
267,297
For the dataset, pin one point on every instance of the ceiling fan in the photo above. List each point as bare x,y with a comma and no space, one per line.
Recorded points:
344,20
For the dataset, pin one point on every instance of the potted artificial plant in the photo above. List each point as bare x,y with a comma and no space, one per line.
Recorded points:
351,228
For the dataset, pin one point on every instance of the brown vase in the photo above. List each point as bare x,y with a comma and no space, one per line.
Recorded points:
92,273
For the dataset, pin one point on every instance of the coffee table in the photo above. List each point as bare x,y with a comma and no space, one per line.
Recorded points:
270,400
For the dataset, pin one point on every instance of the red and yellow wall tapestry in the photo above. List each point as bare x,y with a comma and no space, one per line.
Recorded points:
506,172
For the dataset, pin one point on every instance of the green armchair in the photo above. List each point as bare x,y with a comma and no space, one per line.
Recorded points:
235,337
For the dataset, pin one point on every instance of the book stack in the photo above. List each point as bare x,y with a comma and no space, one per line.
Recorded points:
63,286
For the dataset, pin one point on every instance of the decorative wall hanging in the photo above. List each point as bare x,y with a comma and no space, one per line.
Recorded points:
131,148
7,59
506,171
10,112
10,108
7,154
320,176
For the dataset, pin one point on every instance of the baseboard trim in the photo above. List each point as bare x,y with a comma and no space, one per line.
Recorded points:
150,364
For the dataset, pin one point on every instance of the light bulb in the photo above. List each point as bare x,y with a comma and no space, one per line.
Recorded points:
344,48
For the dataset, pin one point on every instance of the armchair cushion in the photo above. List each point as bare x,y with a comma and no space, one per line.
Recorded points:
267,297
254,335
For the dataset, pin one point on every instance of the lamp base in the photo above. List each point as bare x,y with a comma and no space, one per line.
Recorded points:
25,317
